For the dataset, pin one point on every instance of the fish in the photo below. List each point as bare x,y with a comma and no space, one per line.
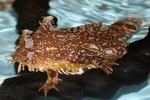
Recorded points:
73,50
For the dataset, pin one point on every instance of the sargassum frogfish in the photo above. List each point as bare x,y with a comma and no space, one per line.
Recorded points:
72,50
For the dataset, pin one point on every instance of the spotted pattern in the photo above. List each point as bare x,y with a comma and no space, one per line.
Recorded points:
73,49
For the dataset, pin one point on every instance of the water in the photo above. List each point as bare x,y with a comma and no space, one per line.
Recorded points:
8,36
71,13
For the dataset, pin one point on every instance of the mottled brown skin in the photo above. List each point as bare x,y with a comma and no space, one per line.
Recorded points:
70,50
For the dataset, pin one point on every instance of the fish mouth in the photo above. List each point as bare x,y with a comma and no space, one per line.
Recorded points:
18,57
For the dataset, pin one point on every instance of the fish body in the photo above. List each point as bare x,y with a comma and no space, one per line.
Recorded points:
71,50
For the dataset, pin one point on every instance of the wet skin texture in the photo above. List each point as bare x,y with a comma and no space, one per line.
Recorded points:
71,51
134,69
94,83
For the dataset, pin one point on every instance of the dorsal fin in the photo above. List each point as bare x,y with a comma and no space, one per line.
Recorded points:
87,27
48,23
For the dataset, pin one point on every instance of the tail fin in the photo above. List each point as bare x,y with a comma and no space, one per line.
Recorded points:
125,27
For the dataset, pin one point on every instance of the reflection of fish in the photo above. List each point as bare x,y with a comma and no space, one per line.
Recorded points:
69,51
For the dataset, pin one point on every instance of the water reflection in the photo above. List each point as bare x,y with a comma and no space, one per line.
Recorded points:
71,13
